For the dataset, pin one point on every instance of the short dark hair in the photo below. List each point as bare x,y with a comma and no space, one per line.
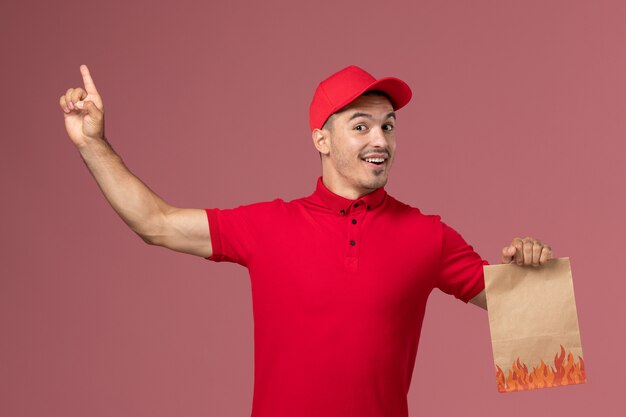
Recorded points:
328,123
377,93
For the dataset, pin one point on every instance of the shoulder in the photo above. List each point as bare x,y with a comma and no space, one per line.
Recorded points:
396,207
249,213
265,209
262,206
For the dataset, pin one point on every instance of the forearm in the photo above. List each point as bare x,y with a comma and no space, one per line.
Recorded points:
138,206
480,300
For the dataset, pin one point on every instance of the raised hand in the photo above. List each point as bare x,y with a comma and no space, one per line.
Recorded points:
83,111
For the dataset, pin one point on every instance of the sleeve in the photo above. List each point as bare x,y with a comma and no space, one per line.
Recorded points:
234,233
461,268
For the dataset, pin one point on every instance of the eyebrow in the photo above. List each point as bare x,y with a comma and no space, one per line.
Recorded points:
369,116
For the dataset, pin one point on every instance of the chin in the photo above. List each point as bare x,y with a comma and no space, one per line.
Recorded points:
376,182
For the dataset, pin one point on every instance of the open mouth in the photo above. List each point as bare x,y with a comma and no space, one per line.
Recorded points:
375,161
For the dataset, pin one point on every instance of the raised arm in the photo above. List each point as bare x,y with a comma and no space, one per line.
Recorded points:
147,214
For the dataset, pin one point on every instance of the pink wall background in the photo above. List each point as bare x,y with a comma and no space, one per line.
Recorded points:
517,127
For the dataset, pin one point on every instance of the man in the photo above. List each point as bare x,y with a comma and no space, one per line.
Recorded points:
339,279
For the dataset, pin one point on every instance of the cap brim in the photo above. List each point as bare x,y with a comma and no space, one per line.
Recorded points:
398,91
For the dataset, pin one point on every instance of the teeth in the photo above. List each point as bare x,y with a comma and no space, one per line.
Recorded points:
375,160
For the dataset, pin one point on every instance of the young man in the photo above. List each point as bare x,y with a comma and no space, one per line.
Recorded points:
340,278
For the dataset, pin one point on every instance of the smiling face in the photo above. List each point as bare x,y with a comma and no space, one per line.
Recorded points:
357,145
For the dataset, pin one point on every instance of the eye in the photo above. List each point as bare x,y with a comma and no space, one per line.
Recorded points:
388,127
360,127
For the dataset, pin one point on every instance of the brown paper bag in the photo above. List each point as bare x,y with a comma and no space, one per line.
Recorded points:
534,326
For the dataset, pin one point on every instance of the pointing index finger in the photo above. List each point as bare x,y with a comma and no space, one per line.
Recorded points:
90,87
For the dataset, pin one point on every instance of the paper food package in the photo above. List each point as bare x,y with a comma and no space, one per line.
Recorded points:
534,326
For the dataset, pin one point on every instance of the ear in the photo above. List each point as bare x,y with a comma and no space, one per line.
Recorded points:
321,140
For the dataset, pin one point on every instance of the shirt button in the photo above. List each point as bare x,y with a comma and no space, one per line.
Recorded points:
353,221
342,211
352,243
356,205
368,207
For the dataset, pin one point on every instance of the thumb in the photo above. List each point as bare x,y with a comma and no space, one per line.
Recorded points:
90,107
93,125
508,252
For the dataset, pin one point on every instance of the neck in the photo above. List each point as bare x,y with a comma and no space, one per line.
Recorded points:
339,187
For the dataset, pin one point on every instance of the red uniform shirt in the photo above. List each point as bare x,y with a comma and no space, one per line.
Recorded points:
339,289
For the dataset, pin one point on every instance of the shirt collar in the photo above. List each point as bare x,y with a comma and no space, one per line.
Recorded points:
342,205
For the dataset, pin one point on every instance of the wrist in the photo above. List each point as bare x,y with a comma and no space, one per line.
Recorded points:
93,147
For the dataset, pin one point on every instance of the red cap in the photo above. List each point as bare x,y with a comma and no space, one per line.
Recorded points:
343,87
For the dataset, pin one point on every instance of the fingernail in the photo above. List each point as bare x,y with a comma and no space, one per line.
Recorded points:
80,104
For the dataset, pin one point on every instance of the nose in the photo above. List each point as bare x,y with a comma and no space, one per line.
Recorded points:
378,138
